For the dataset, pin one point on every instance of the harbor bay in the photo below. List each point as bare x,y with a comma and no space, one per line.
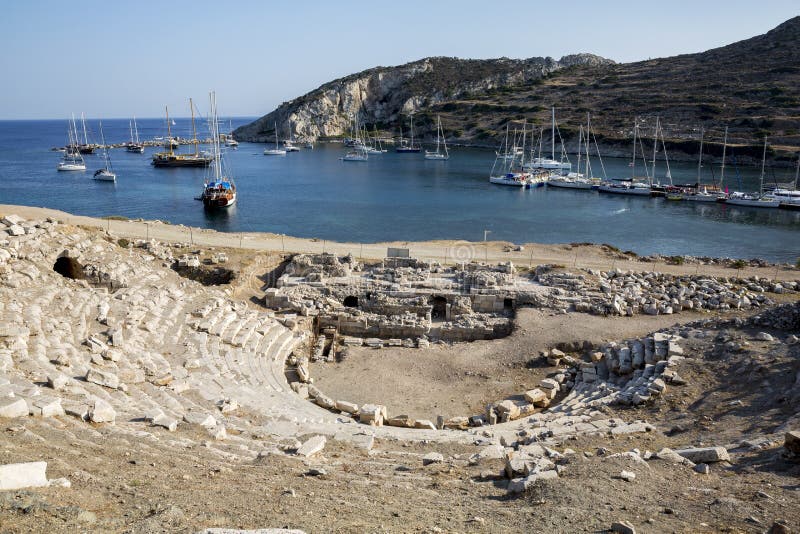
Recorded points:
394,197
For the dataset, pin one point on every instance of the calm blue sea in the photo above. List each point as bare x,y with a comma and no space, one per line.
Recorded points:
391,197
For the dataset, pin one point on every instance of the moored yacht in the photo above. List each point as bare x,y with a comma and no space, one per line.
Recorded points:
220,192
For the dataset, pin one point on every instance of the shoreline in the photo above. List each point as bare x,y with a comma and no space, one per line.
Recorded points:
527,255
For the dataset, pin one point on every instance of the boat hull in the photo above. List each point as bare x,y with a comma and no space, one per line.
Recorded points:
752,203
569,185
407,150
502,180
71,167
105,176
632,191
274,152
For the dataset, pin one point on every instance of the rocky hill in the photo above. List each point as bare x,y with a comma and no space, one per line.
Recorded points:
753,86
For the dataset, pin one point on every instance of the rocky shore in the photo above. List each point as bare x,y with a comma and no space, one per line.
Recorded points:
137,395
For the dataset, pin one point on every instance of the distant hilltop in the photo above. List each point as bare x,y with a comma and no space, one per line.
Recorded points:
752,86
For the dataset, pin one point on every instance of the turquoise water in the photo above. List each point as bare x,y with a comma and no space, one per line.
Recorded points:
392,197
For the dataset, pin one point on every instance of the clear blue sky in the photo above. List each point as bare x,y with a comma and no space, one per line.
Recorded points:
117,59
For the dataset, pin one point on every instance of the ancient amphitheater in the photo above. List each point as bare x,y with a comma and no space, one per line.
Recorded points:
133,399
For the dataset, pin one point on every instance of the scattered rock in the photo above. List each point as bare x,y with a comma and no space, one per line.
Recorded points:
312,446
432,458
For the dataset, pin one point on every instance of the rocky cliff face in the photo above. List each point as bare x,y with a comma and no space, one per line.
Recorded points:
384,95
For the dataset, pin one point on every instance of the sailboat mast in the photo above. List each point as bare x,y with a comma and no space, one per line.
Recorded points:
797,172
135,129
105,148
580,139
655,148
633,163
212,97
553,135
763,164
412,130
194,131
588,130
169,130
724,150
85,137
700,159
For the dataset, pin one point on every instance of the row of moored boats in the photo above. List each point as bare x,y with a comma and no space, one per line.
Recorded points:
518,165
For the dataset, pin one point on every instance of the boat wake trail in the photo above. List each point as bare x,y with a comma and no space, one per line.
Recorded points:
617,212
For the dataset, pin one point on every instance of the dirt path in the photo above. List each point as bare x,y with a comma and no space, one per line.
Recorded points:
586,256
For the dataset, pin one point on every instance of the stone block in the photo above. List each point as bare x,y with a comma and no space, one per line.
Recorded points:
432,458
346,407
102,378
312,446
13,407
424,424
46,407
402,421
705,454
23,475
535,395
57,381
199,418
101,412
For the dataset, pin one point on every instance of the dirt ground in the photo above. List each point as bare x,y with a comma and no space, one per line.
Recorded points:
461,378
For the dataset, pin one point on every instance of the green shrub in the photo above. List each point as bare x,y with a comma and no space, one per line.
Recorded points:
124,243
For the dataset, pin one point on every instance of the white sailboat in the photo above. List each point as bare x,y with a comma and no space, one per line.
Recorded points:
504,171
405,148
288,144
438,156
577,180
72,159
277,151
229,140
789,196
754,200
629,186
702,194
134,145
106,174
551,163
220,192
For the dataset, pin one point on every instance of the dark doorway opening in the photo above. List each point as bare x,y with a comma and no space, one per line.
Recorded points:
439,308
508,305
69,268
351,301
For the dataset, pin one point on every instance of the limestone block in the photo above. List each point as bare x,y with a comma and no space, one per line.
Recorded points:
23,475
548,383
46,407
199,418
325,401
312,446
457,423
101,412
12,220
424,424
508,410
13,407
227,405
372,414
535,395
705,454
76,409
519,485
347,407
165,421
15,230
432,458
131,376
102,378
402,421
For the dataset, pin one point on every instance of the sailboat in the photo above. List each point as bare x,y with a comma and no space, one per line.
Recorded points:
288,144
407,147
277,151
72,159
754,200
628,186
788,198
134,145
170,158
221,191
85,147
504,171
438,156
229,140
106,174
358,149
578,180
701,192
551,163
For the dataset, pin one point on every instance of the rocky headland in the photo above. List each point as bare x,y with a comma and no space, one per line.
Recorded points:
750,86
